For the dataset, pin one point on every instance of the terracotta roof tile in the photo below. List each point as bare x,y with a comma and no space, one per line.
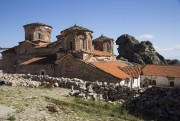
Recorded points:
133,71
88,58
30,42
162,70
32,60
101,53
42,46
111,67
39,41
49,59
37,45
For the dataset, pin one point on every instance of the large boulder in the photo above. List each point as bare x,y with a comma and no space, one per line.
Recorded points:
138,52
173,62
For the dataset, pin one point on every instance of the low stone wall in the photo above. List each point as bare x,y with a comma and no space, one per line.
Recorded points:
104,91
163,102
79,88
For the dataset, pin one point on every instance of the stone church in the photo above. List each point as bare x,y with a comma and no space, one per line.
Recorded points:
74,55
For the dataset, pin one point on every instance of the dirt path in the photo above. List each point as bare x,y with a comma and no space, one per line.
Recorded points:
4,111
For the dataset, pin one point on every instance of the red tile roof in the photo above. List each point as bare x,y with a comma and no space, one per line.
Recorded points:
37,45
39,41
42,46
88,58
32,60
133,71
162,70
101,53
111,67
49,59
30,42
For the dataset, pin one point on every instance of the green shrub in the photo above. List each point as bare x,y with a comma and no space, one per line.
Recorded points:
11,118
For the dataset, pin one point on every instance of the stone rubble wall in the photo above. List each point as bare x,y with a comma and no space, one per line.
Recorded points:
79,88
161,101
164,102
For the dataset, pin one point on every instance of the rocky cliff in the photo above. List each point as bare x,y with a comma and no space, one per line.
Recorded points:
138,52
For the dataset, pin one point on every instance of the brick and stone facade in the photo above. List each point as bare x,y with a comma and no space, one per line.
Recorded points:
38,32
70,56
104,43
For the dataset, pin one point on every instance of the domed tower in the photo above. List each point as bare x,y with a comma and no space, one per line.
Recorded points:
104,43
38,33
76,39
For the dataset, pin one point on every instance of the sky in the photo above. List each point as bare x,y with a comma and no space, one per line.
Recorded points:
155,20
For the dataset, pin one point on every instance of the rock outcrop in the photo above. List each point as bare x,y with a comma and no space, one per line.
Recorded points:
173,62
162,102
138,52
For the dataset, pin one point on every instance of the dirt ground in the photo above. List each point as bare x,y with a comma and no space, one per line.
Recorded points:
29,104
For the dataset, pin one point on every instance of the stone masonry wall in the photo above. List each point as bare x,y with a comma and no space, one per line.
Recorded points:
79,88
73,68
36,69
163,102
9,62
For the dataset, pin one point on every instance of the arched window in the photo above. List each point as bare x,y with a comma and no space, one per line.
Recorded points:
81,44
105,48
39,36
42,73
154,82
30,36
171,84
71,45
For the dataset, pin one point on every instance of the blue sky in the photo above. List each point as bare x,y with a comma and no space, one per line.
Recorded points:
154,20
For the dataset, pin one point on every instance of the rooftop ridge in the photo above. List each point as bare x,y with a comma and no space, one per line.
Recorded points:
36,24
76,27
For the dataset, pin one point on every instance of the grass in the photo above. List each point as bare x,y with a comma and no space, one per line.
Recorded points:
11,118
51,103
95,109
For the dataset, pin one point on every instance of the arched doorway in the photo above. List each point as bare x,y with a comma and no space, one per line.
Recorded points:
171,84
42,73
153,82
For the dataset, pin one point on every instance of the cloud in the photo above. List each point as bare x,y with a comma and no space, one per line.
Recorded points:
146,36
156,47
177,47
169,53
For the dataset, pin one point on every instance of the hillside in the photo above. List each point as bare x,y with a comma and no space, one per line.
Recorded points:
44,104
